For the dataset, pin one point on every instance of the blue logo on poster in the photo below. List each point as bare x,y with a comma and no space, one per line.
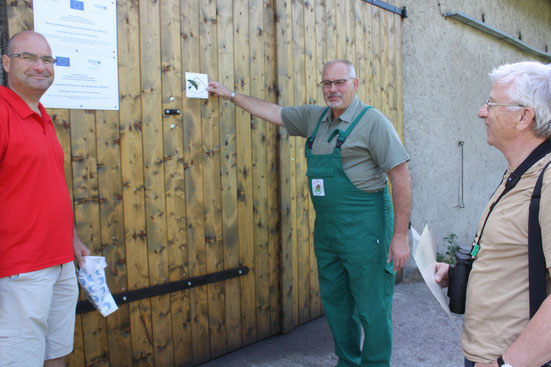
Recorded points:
63,61
77,5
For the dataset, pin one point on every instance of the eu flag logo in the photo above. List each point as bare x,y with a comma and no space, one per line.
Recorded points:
63,61
77,5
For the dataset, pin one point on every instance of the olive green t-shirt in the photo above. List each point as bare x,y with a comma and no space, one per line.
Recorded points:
371,150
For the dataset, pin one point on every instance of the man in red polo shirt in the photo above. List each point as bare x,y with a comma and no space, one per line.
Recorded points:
38,242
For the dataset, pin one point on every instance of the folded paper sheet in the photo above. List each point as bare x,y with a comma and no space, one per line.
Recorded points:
424,253
92,279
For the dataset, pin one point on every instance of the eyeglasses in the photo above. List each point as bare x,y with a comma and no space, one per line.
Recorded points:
338,83
33,59
490,104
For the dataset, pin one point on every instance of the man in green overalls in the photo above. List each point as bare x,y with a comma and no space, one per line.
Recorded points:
359,243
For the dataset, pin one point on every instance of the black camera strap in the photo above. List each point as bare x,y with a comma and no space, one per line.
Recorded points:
536,260
541,151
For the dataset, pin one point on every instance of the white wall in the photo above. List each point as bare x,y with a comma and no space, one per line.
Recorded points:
445,68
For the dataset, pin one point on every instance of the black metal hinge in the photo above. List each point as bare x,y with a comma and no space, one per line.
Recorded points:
381,4
165,288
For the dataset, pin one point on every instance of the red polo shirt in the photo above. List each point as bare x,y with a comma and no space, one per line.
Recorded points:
36,217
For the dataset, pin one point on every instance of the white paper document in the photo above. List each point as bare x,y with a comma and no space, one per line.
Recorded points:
196,85
83,38
424,253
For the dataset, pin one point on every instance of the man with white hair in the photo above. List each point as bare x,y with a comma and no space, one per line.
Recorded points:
498,329
350,150
38,242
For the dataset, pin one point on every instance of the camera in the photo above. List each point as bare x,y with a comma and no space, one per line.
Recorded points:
458,276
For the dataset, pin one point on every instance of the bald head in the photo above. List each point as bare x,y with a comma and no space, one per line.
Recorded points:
15,37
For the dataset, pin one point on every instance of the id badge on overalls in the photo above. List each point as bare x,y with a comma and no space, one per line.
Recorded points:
317,187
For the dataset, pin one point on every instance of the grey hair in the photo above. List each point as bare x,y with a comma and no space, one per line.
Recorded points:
529,83
349,65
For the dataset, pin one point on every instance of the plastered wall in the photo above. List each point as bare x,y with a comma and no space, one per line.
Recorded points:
445,68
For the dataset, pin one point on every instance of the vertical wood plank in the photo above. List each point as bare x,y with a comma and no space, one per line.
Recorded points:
385,103
399,122
112,232
285,64
259,172
193,156
171,93
272,178
310,56
331,31
360,61
322,40
301,251
132,178
244,172
340,22
391,34
350,34
153,173
211,163
228,171
368,41
377,64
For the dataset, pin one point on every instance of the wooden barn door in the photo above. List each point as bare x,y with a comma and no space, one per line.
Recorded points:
168,198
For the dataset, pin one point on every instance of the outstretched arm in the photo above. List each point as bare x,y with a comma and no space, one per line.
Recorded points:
268,111
401,198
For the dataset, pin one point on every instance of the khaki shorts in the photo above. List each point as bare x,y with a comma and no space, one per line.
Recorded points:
37,315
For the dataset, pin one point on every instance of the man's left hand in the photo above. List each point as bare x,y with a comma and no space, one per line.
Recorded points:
399,251
80,249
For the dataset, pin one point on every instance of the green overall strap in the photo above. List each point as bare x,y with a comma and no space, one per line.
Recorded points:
311,138
342,136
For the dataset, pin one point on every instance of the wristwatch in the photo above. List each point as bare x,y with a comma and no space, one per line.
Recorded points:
502,363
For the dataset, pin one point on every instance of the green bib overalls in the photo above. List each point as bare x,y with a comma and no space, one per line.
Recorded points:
352,234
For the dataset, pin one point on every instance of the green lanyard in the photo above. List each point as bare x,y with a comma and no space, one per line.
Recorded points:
541,150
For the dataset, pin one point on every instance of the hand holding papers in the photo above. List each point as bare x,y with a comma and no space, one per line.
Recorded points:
92,278
424,253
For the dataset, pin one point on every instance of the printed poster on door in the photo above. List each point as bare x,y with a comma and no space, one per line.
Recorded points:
83,38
